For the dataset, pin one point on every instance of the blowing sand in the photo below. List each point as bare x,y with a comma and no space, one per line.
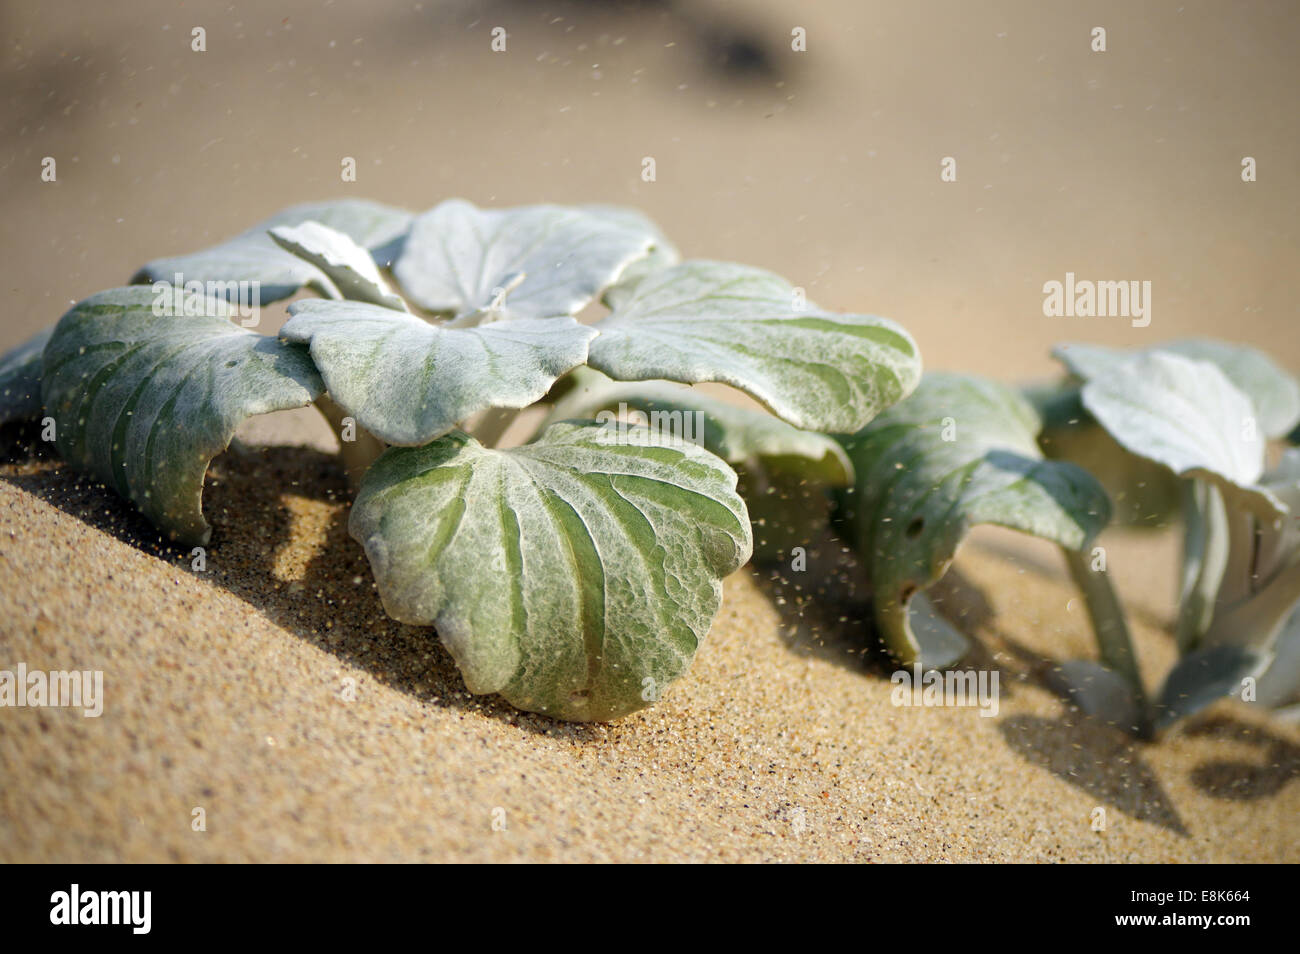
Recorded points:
271,692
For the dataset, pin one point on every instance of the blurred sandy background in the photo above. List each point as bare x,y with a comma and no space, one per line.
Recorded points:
821,165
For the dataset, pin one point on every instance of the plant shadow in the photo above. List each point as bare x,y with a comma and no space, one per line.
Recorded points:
1097,759
280,544
823,605
826,612
1239,779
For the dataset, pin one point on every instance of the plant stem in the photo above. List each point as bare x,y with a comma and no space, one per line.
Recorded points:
1205,559
1108,623
1255,621
357,454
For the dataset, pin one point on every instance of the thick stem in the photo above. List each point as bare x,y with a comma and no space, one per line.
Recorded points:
1108,623
1205,558
1254,621
360,452
1240,575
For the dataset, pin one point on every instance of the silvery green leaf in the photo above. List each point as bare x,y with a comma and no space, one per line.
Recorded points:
1142,492
144,401
1274,393
1204,677
575,575
20,379
783,471
253,256
739,435
713,321
408,381
348,265
1239,580
663,254
534,261
960,451
1186,415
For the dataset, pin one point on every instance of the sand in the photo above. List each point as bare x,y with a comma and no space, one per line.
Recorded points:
271,692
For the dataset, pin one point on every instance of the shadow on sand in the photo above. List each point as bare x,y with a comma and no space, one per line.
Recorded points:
825,612
831,619
246,498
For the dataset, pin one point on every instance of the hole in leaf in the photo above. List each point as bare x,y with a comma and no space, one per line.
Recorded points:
915,527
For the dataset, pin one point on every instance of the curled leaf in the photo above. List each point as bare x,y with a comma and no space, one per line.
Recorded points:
713,321
1144,491
408,381
739,435
144,402
959,452
575,576
1260,588
1203,411
344,262
253,256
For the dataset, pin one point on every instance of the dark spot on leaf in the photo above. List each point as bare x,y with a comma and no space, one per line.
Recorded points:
915,527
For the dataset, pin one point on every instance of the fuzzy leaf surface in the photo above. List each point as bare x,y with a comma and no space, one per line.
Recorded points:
575,576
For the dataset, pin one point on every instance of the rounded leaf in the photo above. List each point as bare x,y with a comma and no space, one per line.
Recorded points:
784,472
1186,415
575,576
663,253
408,381
552,260
1274,393
742,326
